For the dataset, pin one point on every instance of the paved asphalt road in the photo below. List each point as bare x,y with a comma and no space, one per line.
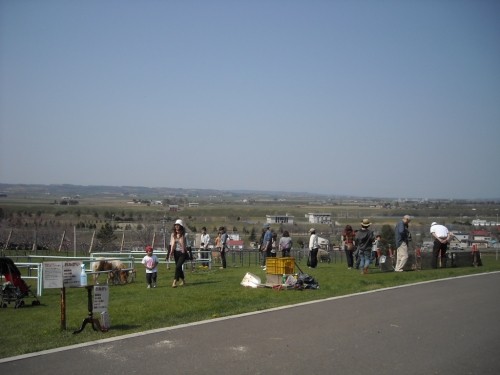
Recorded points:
444,327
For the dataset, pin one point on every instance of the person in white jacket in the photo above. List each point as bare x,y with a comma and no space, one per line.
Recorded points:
204,242
313,249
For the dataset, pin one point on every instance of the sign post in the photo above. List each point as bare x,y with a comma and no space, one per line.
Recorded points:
62,275
99,302
63,309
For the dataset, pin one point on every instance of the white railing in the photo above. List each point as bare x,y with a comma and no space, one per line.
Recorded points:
38,268
136,256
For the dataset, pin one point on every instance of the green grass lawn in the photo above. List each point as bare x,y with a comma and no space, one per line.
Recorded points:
208,294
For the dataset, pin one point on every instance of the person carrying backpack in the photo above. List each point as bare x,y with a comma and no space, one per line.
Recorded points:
364,242
348,241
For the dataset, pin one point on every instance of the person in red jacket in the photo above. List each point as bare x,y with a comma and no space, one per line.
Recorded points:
348,242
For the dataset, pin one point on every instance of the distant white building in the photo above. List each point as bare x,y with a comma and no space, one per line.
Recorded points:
319,218
279,219
235,244
484,223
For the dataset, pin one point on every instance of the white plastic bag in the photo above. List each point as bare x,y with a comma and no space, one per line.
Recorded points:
250,280
105,321
290,280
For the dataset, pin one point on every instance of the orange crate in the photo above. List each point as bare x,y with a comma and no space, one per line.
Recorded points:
280,266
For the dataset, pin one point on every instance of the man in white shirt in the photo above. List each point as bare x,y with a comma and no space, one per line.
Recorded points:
204,242
441,237
313,249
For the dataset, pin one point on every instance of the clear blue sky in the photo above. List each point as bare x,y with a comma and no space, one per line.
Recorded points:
366,98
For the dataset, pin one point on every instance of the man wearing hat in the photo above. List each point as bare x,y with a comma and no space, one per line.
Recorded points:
313,248
441,237
364,241
402,239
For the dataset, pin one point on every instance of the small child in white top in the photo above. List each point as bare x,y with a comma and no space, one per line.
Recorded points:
150,261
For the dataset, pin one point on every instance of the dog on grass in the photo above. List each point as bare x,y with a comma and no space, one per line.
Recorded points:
216,257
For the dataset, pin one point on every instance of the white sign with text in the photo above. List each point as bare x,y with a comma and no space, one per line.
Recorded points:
61,274
101,298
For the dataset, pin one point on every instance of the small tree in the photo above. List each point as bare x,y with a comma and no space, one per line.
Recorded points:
388,235
106,235
145,234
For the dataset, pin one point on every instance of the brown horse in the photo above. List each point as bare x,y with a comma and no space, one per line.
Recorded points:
116,268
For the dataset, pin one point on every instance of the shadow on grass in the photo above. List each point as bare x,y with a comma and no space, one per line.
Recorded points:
204,282
124,327
25,306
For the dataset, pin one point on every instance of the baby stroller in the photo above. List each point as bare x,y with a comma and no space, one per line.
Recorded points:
324,256
15,288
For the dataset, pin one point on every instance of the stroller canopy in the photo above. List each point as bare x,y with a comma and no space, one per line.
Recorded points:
7,267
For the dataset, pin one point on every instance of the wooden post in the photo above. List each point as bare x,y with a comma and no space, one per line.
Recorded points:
63,308
74,241
34,242
91,242
62,240
8,240
123,240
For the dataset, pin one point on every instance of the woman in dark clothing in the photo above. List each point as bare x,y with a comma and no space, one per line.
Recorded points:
348,242
178,250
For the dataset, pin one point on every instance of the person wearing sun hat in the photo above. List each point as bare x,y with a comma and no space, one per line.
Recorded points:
364,240
402,238
313,249
179,250
150,261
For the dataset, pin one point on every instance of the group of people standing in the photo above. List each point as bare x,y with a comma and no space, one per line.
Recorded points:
359,245
362,247
441,239
269,244
179,251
